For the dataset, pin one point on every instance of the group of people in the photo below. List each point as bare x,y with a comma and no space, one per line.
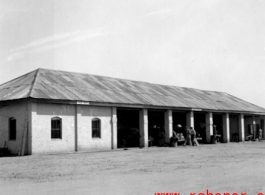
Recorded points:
189,136
156,136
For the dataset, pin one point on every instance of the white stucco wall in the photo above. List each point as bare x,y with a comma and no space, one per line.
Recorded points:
41,128
18,110
85,140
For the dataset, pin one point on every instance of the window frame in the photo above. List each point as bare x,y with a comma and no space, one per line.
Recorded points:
53,129
10,136
96,131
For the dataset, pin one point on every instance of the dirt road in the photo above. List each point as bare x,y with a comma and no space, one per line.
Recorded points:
234,167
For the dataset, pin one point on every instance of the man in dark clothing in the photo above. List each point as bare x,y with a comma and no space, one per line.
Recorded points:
188,137
260,134
193,137
161,138
173,139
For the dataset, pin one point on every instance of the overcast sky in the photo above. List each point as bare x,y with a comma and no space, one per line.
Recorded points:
205,44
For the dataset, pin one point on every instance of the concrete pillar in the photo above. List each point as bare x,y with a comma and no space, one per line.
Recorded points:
226,128
78,109
114,128
168,125
209,127
144,128
190,119
241,128
76,127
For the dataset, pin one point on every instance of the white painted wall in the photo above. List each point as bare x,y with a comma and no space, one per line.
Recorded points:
85,140
41,128
17,110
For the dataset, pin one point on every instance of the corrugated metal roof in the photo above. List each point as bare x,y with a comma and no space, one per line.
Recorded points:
61,85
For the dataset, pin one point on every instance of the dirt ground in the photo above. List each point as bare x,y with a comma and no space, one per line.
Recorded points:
234,167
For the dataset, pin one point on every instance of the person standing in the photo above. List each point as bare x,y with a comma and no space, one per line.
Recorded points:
193,137
260,134
188,136
161,138
174,139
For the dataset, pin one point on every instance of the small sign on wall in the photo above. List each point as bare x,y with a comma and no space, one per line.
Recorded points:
83,103
196,109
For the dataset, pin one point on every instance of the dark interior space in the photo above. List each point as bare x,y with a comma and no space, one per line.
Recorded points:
179,121
155,126
200,125
258,126
252,131
249,133
257,131
218,123
128,128
262,127
234,127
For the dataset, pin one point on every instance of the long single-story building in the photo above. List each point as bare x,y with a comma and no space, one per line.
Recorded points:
50,111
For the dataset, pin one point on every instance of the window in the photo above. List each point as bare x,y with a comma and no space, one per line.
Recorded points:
12,129
96,128
56,124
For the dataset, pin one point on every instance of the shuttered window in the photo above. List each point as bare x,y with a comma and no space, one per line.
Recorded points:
56,128
12,129
96,130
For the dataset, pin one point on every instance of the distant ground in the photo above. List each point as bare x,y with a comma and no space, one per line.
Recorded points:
234,167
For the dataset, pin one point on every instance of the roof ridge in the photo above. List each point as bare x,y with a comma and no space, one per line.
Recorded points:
33,83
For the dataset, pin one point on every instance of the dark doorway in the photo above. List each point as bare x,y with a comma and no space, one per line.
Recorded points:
156,126
128,134
257,126
179,121
218,123
200,125
262,127
248,123
257,131
234,128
